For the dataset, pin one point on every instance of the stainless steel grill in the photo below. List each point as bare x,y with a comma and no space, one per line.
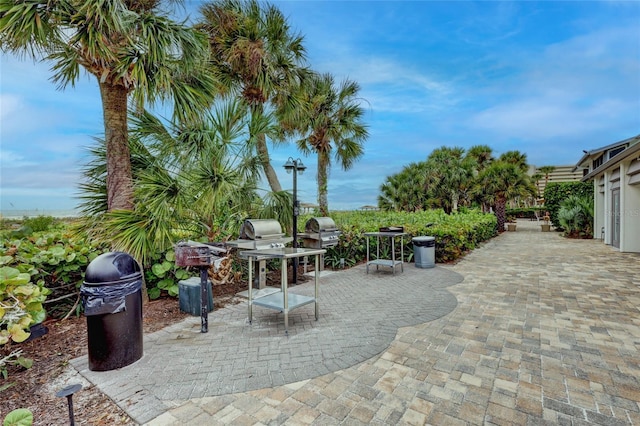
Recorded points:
320,232
259,234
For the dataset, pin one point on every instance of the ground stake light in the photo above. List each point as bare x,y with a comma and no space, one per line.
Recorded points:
68,393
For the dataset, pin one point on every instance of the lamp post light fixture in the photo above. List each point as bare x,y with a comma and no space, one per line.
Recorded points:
296,167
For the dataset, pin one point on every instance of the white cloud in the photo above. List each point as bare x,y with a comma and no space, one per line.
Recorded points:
9,159
585,84
9,104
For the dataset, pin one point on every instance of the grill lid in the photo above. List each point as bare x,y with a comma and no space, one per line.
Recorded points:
320,224
253,229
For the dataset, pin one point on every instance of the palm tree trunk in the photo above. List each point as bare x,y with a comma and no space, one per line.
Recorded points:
119,176
323,165
263,152
501,213
269,172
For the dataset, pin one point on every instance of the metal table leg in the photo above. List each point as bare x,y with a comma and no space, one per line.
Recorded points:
316,285
285,292
249,292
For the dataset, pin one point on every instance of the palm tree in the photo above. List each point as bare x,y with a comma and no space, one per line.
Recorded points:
451,174
482,155
258,58
407,190
192,180
499,183
330,120
535,178
130,47
515,157
546,171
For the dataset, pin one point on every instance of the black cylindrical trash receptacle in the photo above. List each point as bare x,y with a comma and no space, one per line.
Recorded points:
112,300
424,251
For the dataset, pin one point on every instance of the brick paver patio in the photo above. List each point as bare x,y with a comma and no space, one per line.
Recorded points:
543,330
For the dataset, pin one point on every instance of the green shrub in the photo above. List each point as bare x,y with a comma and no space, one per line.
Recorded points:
53,260
576,216
39,223
557,192
164,275
526,213
20,304
455,234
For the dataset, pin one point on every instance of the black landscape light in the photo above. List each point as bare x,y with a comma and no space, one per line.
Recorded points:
296,167
68,393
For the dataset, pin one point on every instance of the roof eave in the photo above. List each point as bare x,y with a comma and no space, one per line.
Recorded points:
621,156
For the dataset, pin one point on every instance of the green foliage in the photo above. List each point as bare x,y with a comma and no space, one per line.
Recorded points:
55,261
14,358
455,234
39,223
20,304
576,216
18,417
557,192
163,276
526,213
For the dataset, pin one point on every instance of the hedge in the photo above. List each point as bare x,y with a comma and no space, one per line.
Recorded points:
455,234
556,192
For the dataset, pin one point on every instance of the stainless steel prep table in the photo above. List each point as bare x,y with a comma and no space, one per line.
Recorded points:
392,263
281,300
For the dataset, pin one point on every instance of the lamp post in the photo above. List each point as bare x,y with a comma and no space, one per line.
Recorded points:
295,166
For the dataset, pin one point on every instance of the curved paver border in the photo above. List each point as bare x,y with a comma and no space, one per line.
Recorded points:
359,317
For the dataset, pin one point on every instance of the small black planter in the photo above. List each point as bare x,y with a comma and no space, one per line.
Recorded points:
37,330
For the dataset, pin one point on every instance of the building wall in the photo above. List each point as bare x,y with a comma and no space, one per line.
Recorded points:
560,174
629,210
599,209
630,213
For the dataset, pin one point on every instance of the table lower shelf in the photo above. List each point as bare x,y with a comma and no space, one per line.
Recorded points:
385,262
276,301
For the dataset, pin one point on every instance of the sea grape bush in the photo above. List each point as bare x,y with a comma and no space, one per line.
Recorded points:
54,262
163,276
20,304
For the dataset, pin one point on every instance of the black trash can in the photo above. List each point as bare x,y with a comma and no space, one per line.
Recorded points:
112,300
424,251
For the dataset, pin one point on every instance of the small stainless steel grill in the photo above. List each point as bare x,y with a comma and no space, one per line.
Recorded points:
259,234
320,232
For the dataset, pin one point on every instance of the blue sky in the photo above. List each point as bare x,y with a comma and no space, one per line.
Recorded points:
546,78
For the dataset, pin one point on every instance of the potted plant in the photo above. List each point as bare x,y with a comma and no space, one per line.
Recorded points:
511,223
546,225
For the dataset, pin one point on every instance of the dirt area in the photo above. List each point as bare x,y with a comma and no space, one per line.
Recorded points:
36,388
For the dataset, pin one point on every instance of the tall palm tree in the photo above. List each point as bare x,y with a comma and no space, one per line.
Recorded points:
535,178
132,49
330,120
258,58
481,156
499,183
546,171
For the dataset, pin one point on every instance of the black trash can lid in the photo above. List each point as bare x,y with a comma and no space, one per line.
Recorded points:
112,268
